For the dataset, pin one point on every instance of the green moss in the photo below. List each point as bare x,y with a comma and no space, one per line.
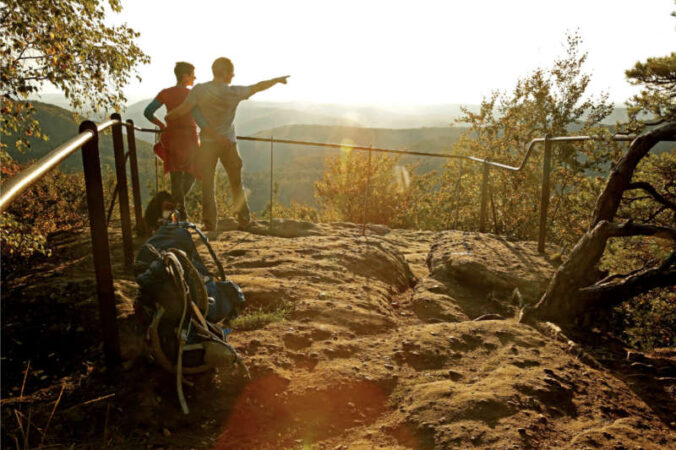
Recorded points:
256,319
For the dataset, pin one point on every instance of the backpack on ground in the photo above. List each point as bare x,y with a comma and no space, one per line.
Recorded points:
182,304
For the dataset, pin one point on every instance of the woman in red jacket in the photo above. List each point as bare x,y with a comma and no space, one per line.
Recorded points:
179,142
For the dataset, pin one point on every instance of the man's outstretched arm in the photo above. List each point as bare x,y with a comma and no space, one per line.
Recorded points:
263,85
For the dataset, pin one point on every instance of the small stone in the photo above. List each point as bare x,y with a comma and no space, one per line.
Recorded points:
522,431
453,375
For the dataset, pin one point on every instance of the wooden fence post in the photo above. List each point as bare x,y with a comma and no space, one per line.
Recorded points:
100,247
123,196
135,184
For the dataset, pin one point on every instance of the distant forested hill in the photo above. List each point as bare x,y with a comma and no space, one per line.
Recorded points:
433,140
297,167
61,125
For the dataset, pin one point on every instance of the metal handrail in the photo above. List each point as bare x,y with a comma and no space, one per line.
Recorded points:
15,186
352,147
88,141
485,162
528,146
23,180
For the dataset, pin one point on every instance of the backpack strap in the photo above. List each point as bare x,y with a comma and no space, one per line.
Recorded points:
205,239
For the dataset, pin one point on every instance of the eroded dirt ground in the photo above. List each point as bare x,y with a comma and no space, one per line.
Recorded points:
380,348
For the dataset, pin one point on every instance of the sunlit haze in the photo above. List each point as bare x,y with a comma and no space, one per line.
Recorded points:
391,52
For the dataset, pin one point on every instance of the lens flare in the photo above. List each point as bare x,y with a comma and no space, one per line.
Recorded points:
402,178
345,152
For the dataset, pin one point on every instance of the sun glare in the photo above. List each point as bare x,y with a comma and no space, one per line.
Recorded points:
345,152
402,178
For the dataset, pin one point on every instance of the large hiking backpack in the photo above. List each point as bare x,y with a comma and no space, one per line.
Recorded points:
181,304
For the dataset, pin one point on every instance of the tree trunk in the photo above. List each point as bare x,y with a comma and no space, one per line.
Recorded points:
566,297
620,176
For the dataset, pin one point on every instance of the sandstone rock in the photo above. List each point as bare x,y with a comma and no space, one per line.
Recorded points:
489,263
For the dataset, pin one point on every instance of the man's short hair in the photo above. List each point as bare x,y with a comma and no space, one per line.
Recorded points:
222,67
183,68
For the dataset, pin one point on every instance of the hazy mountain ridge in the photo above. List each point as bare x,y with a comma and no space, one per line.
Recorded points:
60,125
296,167
255,116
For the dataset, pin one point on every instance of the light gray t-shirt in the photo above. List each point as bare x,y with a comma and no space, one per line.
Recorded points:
218,102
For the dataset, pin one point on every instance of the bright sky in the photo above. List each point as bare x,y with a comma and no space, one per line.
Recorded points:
372,52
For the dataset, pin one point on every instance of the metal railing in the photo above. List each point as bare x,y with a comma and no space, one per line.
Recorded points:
486,163
88,141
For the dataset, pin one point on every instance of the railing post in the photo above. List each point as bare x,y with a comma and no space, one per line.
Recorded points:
272,198
458,191
484,197
100,247
366,193
135,185
121,172
544,199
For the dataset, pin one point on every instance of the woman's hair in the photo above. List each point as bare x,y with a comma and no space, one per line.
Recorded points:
222,66
183,68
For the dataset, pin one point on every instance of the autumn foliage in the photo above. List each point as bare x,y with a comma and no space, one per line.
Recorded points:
56,203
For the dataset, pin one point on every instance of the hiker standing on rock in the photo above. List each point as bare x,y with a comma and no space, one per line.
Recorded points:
179,143
218,100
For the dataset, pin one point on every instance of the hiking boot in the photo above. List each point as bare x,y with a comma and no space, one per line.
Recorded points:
206,228
243,220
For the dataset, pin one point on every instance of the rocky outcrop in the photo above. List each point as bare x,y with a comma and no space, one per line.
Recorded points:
369,342
487,263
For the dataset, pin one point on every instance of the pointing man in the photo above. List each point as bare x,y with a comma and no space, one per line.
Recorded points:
217,101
